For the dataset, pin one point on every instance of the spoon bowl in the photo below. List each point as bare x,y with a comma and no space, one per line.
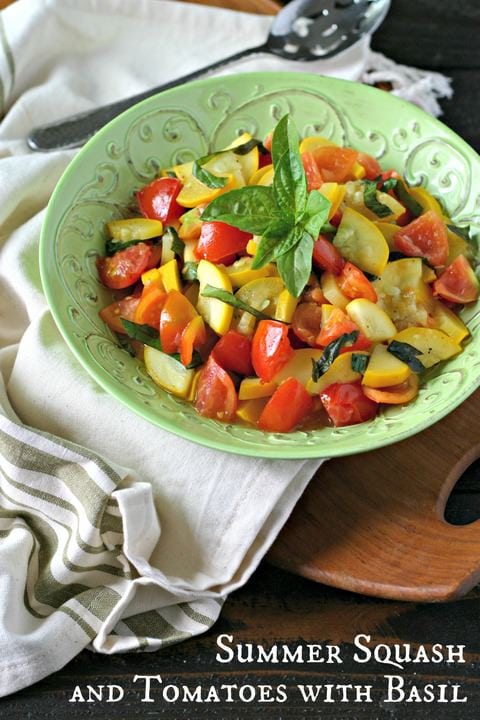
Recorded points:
302,30
312,29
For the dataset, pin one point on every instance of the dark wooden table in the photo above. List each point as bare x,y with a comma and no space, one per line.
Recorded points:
277,607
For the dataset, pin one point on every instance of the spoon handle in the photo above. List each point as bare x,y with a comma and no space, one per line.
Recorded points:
73,131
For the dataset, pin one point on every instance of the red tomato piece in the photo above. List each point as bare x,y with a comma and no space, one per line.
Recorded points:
458,282
216,395
174,318
193,336
337,324
336,219
125,267
326,256
112,314
370,164
158,200
288,407
267,143
426,236
155,257
234,352
271,348
219,241
307,321
354,284
314,176
335,163
264,159
347,404
150,306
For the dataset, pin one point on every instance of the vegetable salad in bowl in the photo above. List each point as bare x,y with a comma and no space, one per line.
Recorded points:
288,283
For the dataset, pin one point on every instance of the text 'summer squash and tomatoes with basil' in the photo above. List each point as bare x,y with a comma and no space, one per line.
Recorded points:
288,283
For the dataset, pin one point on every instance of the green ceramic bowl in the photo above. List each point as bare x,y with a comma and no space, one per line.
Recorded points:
193,120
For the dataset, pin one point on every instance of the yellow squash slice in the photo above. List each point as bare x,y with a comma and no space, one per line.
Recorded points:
434,345
384,369
216,313
360,241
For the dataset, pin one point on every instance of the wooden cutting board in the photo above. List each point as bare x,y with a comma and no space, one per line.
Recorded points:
374,523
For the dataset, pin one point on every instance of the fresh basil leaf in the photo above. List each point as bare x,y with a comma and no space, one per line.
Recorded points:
332,350
389,184
247,147
250,208
265,251
113,246
143,333
359,362
371,201
408,354
370,276
149,336
401,191
316,213
295,266
189,271
289,180
171,174
290,241
177,245
207,178
230,299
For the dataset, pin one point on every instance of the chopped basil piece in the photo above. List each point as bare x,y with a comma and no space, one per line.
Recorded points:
389,184
177,245
189,271
371,201
171,174
320,366
207,178
230,299
359,362
407,200
407,354
113,246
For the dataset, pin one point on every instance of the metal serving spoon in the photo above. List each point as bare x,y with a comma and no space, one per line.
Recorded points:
302,30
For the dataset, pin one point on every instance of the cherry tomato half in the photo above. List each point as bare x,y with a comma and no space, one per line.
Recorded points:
426,236
354,284
125,267
174,318
112,314
271,348
326,256
219,241
458,282
347,404
313,174
335,163
307,321
158,200
337,324
288,407
370,165
234,352
216,395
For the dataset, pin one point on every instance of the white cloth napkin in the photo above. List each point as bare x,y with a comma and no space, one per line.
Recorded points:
135,542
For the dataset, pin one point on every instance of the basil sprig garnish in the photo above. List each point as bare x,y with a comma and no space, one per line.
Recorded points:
149,336
331,352
408,354
286,216
230,299
371,201
218,181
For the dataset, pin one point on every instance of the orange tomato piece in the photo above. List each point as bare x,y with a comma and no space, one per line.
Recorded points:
150,306
193,336
175,316
395,394
288,407
335,163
